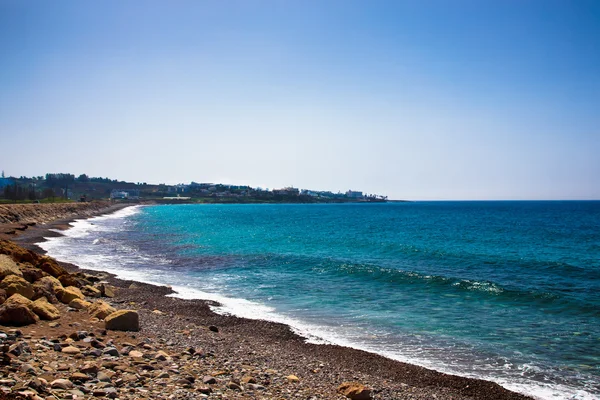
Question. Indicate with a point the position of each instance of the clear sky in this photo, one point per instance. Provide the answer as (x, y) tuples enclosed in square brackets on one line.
[(412, 99)]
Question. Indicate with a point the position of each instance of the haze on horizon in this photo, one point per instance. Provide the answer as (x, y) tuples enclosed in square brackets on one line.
[(410, 99)]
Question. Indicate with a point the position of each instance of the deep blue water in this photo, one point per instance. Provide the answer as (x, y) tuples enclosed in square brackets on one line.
[(505, 291)]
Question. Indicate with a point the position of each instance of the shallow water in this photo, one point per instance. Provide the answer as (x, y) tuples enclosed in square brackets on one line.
[(505, 291)]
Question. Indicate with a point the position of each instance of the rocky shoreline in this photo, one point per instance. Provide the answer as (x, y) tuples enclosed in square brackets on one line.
[(184, 350)]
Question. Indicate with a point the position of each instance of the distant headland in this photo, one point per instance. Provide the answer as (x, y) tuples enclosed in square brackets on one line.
[(57, 187)]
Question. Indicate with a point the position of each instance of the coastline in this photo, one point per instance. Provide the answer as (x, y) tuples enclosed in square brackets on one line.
[(320, 368)]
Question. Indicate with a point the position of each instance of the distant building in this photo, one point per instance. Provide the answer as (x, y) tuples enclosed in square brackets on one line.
[(119, 194), (354, 194), (132, 194), (288, 191)]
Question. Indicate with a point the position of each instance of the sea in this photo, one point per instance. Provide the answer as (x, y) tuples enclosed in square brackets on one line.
[(504, 291)]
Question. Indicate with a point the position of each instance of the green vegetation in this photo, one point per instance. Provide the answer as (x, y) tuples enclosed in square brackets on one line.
[(65, 187)]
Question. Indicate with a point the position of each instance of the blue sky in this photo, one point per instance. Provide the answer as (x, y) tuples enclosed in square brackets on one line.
[(413, 99)]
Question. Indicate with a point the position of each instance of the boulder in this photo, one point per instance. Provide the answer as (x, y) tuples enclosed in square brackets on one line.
[(123, 320), (69, 280), (16, 311), (50, 266), (15, 284), (66, 295), (8, 267), (354, 391), (44, 309), (18, 253), (32, 274), (91, 291), (79, 304), (101, 309), (106, 290), (45, 287)]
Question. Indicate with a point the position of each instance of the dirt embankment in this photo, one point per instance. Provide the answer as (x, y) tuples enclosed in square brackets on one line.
[(44, 213)]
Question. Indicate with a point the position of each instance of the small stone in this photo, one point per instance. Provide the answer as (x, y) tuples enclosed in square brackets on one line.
[(71, 350), (78, 376), (209, 380), (89, 369), (103, 376), (136, 354), (111, 351), (253, 386), (213, 328), (61, 384), (234, 386), (28, 369), (292, 378)]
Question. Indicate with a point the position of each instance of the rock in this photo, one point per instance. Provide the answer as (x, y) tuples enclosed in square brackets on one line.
[(213, 328), (136, 354), (292, 378), (68, 280), (46, 287), (106, 290), (3, 296), (123, 320), (354, 391), (111, 351), (157, 312), (28, 369), (45, 310), (16, 311), (8, 267), (209, 380), (161, 356), (103, 376), (248, 379), (91, 291), (64, 384), (71, 350), (15, 284), (97, 344), (78, 376), (234, 386), (89, 369), (101, 309), (31, 274), (37, 384), (254, 386), (50, 266), (68, 294), (79, 304)]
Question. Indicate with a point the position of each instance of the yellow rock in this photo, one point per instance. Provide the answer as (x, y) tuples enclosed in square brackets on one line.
[(123, 320), (15, 284), (66, 295), (8, 267), (91, 291), (44, 309), (79, 304), (16, 311), (354, 391), (101, 309), (293, 378)]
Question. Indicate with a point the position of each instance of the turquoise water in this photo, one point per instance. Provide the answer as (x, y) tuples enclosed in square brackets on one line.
[(505, 291)]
